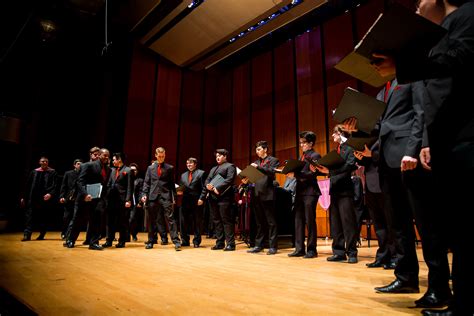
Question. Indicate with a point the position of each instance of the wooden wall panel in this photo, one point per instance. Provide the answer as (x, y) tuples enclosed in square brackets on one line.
[(140, 102), (309, 71), (338, 42), (284, 104), (241, 116), (209, 137), (166, 113), (262, 101), (224, 111), (191, 117)]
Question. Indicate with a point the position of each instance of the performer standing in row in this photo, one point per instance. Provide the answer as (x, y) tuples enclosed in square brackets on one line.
[(307, 195), (265, 216), (68, 193), (220, 196), (193, 183), (160, 193)]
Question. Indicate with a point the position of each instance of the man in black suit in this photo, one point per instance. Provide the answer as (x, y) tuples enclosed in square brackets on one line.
[(137, 212), (407, 188), (449, 120), (68, 194), (40, 188), (92, 173), (219, 191), (307, 195), (119, 201), (160, 192), (264, 200), (344, 228), (192, 182), (386, 253)]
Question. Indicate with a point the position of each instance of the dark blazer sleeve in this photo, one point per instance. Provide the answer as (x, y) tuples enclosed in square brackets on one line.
[(228, 178), (146, 183), (64, 185)]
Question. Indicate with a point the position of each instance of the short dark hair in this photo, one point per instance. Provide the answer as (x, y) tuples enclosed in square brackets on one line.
[(120, 156), (76, 161), (262, 143), (341, 129), (133, 164), (193, 160), (221, 151), (309, 136), (94, 149)]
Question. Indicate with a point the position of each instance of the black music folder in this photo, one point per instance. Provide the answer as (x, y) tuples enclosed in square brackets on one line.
[(358, 143), (395, 30), (331, 160), (252, 173), (94, 190), (217, 181), (293, 165), (365, 108)]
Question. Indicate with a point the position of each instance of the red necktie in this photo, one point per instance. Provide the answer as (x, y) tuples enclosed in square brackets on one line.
[(339, 148), (116, 173), (302, 157), (190, 177), (159, 170), (387, 89), (103, 173), (262, 162)]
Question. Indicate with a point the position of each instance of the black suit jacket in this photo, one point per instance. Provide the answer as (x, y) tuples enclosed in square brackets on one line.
[(137, 190), (69, 185), (155, 186), (447, 75), (91, 173), (264, 188), (371, 169), (401, 125), (228, 172), (122, 185), (192, 190), (306, 182), (35, 190), (340, 178)]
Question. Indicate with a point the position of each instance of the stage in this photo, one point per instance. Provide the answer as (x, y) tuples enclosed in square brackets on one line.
[(53, 280)]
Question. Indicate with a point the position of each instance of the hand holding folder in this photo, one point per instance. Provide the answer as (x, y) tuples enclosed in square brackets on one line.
[(251, 173), (394, 31), (366, 109)]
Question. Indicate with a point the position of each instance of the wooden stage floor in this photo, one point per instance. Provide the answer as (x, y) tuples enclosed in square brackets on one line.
[(53, 280)]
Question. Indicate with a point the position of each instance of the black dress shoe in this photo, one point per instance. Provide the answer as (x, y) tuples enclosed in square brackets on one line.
[(336, 258), (185, 244), (271, 251), (375, 264), (68, 244), (389, 266), (120, 245), (86, 242), (107, 244), (255, 250), (196, 246), (217, 247), (95, 247), (149, 245), (398, 286), (296, 254), (26, 237), (63, 236), (310, 254), (134, 238), (352, 260), (41, 236), (432, 299), (229, 248), (437, 312), (164, 242), (177, 246)]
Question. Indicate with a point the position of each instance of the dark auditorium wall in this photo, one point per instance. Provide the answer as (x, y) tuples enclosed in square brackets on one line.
[(272, 96)]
